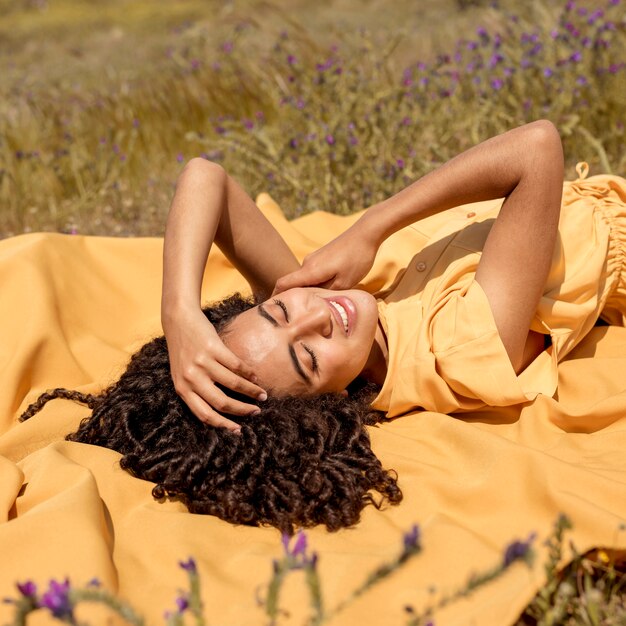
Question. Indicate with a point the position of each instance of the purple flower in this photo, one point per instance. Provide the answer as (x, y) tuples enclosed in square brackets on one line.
[(517, 550), (28, 589), (102, 141), (299, 546), (411, 538), (195, 64), (180, 157), (554, 33), (615, 67), (482, 32), (582, 11), (614, 2), (248, 124), (569, 5), (586, 42), (423, 81), (472, 45), (182, 603), (547, 72), (406, 121), (407, 82), (123, 158), (94, 582), (330, 140), (189, 565), (353, 140), (525, 63), (497, 83), (575, 57), (227, 47), (300, 104), (135, 123), (293, 143), (291, 60), (57, 599), (581, 80), (495, 59), (400, 163)]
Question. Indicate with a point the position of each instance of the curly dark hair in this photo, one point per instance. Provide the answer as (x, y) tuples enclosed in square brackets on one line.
[(301, 462)]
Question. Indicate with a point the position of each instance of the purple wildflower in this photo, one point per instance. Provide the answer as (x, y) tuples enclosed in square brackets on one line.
[(248, 124), (494, 60), (554, 33), (116, 148), (517, 550), (407, 82), (525, 63), (614, 3), (94, 582), (482, 32), (497, 83), (195, 64), (182, 603), (28, 589), (353, 140), (582, 11), (472, 45), (569, 5), (293, 143), (227, 47), (547, 72), (102, 141), (300, 104), (400, 163), (423, 81), (299, 546), (411, 538), (586, 42), (57, 599), (330, 140), (189, 565), (180, 157), (291, 60), (406, 121), (576, 57), (581, 80)]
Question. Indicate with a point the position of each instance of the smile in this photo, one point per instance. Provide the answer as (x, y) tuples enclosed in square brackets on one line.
[(344, 312)]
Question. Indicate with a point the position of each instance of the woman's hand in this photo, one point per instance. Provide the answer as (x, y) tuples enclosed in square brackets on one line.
[(198, 361), (340, 264)]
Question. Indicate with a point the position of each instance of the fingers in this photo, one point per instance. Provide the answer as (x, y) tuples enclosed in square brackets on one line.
[(304, 277), (209, 416)]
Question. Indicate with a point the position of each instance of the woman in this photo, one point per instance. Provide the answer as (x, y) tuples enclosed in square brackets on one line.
[(497, 298)]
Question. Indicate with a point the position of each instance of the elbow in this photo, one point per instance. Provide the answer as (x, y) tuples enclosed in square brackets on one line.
[(203, 171), (546, 149)]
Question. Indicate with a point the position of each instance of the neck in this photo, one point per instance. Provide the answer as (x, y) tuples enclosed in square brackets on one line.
[(375, 369)]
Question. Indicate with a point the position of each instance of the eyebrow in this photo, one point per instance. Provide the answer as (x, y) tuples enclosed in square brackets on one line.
[(292, 353)]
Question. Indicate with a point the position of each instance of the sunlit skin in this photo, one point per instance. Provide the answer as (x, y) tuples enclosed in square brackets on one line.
[(297, 343)]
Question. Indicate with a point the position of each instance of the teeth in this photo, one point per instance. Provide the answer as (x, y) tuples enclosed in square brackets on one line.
[(342, 312)]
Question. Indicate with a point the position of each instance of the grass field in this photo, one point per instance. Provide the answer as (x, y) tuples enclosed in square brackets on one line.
[(330, 105), (333, 104)]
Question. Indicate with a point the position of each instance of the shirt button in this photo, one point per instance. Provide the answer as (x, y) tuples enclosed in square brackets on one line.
[(471, 214), (421, 266)]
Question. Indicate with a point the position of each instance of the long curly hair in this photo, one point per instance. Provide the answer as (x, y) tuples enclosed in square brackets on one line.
[(301, 462)]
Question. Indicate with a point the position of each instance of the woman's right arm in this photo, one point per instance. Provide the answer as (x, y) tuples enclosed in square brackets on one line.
[(209, 206)]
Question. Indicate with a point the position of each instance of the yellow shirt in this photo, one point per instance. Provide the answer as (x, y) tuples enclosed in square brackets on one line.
[(445, 353)]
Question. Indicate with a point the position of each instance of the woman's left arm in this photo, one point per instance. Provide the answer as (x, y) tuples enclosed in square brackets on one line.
[(524, 166)]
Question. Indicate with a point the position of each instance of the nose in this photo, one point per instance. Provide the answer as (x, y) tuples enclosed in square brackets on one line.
[(316, 319)]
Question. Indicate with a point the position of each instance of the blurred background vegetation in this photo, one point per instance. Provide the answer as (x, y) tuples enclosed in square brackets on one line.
[(330, 105)]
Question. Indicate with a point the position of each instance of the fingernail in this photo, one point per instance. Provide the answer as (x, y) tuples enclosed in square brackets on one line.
[(237, 431), (262, 396)]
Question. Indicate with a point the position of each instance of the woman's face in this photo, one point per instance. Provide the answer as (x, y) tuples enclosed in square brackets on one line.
[(306, 340)]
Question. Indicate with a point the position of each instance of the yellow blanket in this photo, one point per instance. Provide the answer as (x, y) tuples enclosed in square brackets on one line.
[(74, 308)]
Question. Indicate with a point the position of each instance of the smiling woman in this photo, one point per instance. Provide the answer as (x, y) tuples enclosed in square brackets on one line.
[(494, 299)]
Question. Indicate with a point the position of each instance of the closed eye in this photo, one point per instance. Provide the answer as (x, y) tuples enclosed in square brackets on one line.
[(281, 304), (314, 362)]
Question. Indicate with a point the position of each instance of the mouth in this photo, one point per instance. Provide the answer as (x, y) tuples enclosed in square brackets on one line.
[(344, 312)]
